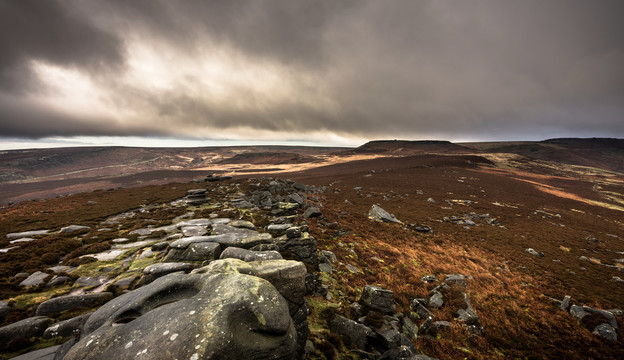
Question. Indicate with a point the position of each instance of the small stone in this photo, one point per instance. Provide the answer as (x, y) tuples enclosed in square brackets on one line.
[(353, 269), (606, 331), (326, 268), (534, 252), (428, 278), (359, 334), (436, 300), (565, 304)]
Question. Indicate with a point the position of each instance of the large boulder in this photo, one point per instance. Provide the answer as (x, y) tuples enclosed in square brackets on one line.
[(5, 309), (196, 316), (302, 248), (59, 304)]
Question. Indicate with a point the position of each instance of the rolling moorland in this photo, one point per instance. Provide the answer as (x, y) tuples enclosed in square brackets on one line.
[(479, 243)]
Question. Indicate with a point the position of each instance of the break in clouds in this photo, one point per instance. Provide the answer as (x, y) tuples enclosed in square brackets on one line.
[(256, 69)]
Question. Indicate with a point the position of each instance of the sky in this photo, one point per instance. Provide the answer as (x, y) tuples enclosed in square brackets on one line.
[(318, 72)]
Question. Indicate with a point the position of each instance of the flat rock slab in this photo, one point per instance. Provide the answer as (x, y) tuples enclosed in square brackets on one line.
[(192, 316), (199, 251), (35, 279), (194, 222), (26, 234), (194, 230), (108, 255), (42, 354), (27, 328), (73, 228), (21, 240), (59, 304), (226, 240)]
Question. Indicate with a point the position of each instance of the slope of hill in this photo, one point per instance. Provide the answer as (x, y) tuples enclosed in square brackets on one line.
[(602, 153), (519, 240)]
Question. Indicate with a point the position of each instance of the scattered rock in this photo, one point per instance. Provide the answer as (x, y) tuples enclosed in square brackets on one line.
[(155, 271), (312, 212), (35, 279), (428, 278), (456, 280), (73, 228), (55, 306), (26, 234), (378, 214), (198, 251), (48, 353), (27, 328), (534, 252), (5, 309), (565, 304), (436, 300), (59, 269), (378, 299), (353, 269), (326, 268), (606, 331), (439, 326), (359, 334)]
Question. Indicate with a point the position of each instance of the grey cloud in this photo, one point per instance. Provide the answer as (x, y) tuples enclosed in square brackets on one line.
[(53, 31), (486, 68)]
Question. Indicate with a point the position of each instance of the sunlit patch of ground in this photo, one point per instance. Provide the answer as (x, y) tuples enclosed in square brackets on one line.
[(249, 169)]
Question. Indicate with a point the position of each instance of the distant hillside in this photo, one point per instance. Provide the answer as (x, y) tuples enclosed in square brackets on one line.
[(272, 158), (407, 147), (603, 153)]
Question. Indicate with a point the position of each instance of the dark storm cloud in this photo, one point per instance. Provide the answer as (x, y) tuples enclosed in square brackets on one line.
[(471, 69)]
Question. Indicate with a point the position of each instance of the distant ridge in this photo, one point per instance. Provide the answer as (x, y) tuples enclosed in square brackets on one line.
[(408, 147)]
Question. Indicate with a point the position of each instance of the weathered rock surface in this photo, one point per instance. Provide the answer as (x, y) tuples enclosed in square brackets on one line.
[(240, 240), (59, 304), (196, 316), (248, 255), (27, 328), (199, 251), (155, 271), (66, 328)]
